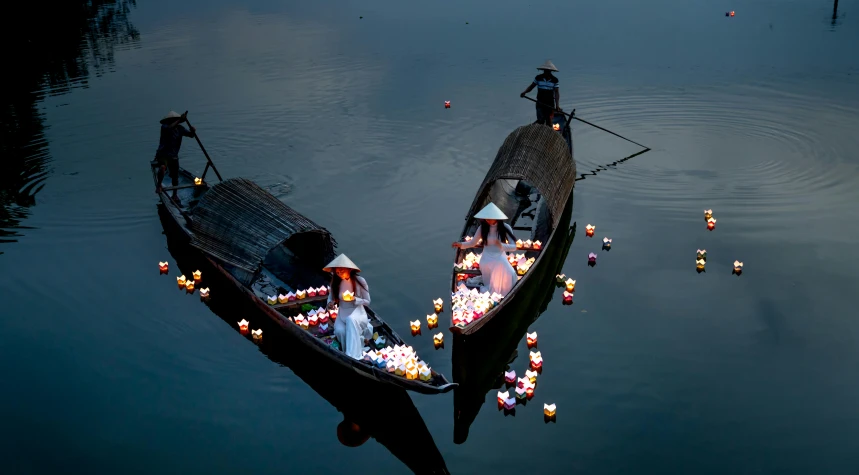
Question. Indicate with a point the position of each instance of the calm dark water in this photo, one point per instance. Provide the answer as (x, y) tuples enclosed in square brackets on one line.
[(655, 369)]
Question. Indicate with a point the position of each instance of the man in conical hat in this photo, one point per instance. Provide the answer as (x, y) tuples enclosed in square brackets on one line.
[(548, 95), (167, 154)]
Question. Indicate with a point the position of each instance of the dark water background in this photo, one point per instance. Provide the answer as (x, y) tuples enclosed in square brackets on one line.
[(655, 369)]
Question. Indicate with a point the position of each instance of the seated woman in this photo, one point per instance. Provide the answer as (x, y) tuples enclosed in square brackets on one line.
[(498, 275), (352, 326)]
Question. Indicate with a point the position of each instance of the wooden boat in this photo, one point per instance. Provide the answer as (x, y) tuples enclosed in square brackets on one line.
[(531, 181), (266, 248), (479, 361), (361, 400)]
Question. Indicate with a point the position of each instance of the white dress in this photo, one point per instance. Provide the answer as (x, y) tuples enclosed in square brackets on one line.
[(498, 275), (352, 325)]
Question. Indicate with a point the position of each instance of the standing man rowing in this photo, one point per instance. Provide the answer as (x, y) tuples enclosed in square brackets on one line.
[(167, 154), (547, 93)]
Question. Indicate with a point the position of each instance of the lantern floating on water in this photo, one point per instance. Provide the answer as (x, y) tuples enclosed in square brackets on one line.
[(503, 396), (556, 126), (204, 293), (531, 338), (708, 213), (181, 281), (447, 104), (537, 245), (189, 286), (711, 224), (197, 275), (437, 304), (592, 259), (589, 230), (510, 404), (549, 410), (702, 254), (571, 285), (510, 376), (257, 334), (738, 267), (536, 360), (432, 320), (699, 264), (568, 298), (438, 339), (416, 325), (531, 375), (243, 325), (162, 266), (198, 181), (606, 243), (348, 296), (560, 278)]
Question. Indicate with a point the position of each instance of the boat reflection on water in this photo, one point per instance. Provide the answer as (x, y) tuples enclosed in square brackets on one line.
[(479, 360), (365, 402)]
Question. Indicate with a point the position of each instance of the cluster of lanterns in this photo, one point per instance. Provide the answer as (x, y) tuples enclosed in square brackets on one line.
[(243, 329), (186, 283), (297, 295), (400, 360), (701, 257), (469, 305), (711, 221), (569, 288), (528, 245), (523, 388), (521, 263), (319, 318), (471, 261)]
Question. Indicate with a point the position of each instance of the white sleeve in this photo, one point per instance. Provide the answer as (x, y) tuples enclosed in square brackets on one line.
[(509, 247), (362, 293), (473, 243)]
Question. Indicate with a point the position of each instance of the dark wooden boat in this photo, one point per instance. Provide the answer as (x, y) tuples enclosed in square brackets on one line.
[(361, 400), (531, 181), (265, 247), (479, 361)]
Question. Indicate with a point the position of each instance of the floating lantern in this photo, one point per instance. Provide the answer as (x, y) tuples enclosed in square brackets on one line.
[(738, 267), (556, 126), (300, 294), (606, 243), (531, 338), (510, 404), (571, 285), (503, 396), (702, 254), (447, 104), (531, 375), (432, 320), (437, 303), (589, 230), (519, 244), (290, 296), (731, 13), (521, 393), (529, 391), (348, 296), (536, 360), (257, 334), (438, 338), (549, 410), (197, 275), (568, 297), (708, 213), (322, 291), (699, 264), (162, 266), (181, 281), (592, 259), (711, 224), (537, 245), (510, 376), (243, 325), (311, 292), (416, 325), (560, 278), (189, 286), (204, 293)]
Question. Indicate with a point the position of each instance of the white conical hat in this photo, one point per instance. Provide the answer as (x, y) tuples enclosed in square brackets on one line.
[(490, 212), (341, 261), (548, 66), (171, 116)]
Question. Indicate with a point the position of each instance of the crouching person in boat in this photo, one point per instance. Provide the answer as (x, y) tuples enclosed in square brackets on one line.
[(350, 291), (498, 275)]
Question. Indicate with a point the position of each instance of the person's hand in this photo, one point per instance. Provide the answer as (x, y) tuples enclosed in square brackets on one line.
[(456, 245), (522, 95), (193, 129)]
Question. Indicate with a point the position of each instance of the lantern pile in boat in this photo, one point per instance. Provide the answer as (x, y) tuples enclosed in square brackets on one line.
[(536, 245), (318, 317), (400, 360), (297, 295), (469, 305), (520, 262), (470, 261)]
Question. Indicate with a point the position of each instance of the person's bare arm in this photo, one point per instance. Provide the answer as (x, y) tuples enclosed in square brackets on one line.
[(530, 88)]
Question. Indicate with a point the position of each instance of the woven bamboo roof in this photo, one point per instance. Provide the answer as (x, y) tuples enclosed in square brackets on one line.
[(539, 155), (238, 222)]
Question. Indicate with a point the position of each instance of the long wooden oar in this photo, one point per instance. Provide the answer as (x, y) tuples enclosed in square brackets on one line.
[(208, 159), (573, 116)]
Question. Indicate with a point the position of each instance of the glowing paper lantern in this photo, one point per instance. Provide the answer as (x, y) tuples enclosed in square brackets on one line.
[(536, 359), (447, 104), (606, 242), (589, 230), (198, 181), (438, 338), (699, 264), (571, 285), (592, 259), (348, 296), (521, 393), (510, 403), (257, 334), (204, 293), (313, 320), (527, 244), (425, 373), (711, 224), (323, 291), (162, 266), (197, 275), (537, 245), (437, 303), (181, 280), (243, 325), (568, 297), (290, 296), (189, 285), (531, 375), (549, 410), (503, 396), (432, 320), (531, 338), (510, 377), (282, 298), (416, 325), (311, 292), (708, 213), (702, 254), (300, 294), (738, 267), (556, 126), (519, 244), (271, 299)]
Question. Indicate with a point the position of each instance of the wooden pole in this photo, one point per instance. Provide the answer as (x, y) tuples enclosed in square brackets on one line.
[(210, 162)]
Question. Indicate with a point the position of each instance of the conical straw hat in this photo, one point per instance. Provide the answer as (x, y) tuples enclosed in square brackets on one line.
[(171, 116), (548, 66), (490, 212), (341, 261)]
